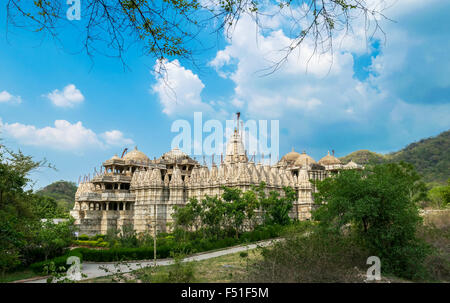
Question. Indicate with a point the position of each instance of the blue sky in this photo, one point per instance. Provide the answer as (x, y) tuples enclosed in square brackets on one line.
[(58, 104)]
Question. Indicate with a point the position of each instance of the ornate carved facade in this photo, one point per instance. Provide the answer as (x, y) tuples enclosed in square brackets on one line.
[(142, 192)]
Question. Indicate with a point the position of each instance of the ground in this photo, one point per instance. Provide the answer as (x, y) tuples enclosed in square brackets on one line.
[(223, 269)]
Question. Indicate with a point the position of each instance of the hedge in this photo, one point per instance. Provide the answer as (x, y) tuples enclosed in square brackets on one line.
[(38, 267), (98, 243), (165, 246)]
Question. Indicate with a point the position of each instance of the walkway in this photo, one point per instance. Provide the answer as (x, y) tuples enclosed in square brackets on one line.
[(94, 270)]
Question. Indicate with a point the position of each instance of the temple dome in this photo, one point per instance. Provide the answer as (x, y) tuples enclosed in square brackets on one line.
[(136, 155), (304, 159), (291, 156), (115, 157), (175, 154), (329, 160)]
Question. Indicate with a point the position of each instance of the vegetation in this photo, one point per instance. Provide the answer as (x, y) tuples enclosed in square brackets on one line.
[(430, 157), (24, 237), (439, 196), (234, 212), (223, 269), (379, 206), (373, 212), (63, 192)]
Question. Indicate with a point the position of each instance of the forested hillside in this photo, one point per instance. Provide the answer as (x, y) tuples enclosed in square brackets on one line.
[(431, 157), (62, 191)]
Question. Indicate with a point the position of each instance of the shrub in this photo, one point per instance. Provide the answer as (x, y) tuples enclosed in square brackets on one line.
[(92, 243), (316, 258), (39, 267), (83, 237)]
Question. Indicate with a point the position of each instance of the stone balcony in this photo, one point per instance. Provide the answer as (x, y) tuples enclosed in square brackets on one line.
[(108, 196)]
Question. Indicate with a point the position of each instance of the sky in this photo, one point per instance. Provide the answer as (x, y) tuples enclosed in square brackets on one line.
[(379, 94)]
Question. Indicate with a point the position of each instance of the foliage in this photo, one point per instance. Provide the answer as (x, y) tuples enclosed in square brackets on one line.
[(181, 272), (63, 192), (308, 256), (91, 243), (193, 242), (430, 157), (59, 263), (438, 262), (439, 196), (364, 157), (276, 209), (47, 207), (24, 239), (235, 212), (379, 207)]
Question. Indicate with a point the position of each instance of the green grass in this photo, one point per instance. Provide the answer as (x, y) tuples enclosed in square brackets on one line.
[(18, 275), (223, 269)]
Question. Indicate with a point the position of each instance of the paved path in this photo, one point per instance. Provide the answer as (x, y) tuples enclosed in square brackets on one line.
[(94, 270)]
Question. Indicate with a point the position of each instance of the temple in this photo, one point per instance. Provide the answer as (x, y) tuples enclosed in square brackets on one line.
[(135, 190)]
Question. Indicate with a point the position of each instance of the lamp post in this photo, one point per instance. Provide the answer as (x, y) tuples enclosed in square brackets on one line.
[(154, 234)]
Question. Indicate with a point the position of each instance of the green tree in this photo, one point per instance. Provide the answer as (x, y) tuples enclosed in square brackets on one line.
[(212, 215), (23, 237), (439, 196), (54, 238), (235, 209), (276, 208), (188, 216), (379, 205)]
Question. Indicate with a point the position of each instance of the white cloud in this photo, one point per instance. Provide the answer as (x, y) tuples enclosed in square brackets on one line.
[(179, 89), (63, 136), (67, 98), (7, 97), (116, 138), (312, 92)]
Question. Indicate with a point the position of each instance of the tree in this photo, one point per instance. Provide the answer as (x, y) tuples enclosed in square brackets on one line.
[(188, 216), (379, 205), (23, 237), (53, 238), (212, 215), (276, 209), (170, 28), (440, 195)]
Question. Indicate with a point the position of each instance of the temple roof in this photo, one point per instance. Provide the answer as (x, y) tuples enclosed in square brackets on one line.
[(329, 160), (136, 155), (304, 159)]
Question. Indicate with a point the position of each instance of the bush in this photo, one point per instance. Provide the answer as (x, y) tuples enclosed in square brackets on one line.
[(83, 237), (316, 258), (99, 243), (39, 267)]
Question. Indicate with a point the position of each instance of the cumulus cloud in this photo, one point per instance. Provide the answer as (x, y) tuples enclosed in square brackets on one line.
[(63, 136), (178, 89), (116, 138), (318, 94), (7, 97), (69, 97)]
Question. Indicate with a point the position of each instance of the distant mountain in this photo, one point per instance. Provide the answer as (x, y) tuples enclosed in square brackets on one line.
[(363, 156), (62, 191), (431, 157)]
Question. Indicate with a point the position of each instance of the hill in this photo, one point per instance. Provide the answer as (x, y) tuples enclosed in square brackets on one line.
[(62, 191), (364, 156), (430, 156)]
